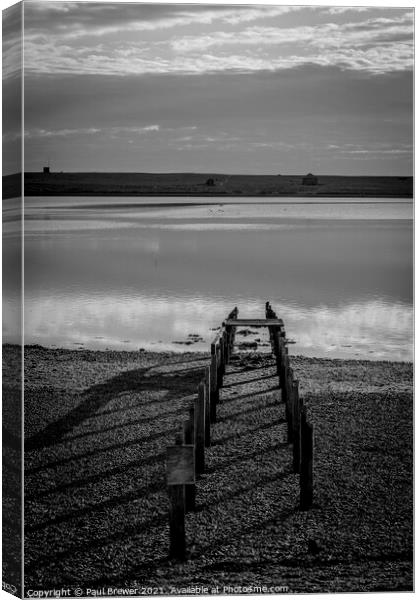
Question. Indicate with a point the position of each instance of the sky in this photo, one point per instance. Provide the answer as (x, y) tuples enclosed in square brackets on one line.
[(214, 88)]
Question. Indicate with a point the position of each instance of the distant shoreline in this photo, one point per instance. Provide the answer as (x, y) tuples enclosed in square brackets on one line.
[(206, 185)]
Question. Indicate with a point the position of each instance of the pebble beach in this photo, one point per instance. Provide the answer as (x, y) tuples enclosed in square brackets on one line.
[(96, 510)]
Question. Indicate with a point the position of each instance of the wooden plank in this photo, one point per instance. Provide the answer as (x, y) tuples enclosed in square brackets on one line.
[(289, 403), (232, 339), (213, 372), (278, 350), (225, 351), (219, 367), (214, 390), (179, 471), (283, 372), (252, 322), (222, 359), (177, 545), (200, 420), (192, 412), (180, 465), (190, 491), (306, 453), (228, 337), (297, 407), (207, 430), (274, 338), (233, 315), (228, 332)]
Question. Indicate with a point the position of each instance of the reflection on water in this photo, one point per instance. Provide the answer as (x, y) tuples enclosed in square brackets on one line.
[(371, 329), (129, 276)]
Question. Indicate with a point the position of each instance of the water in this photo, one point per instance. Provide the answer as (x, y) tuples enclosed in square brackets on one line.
[(130, 273)]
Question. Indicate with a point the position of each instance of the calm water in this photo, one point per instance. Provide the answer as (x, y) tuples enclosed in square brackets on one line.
[(131, 273)]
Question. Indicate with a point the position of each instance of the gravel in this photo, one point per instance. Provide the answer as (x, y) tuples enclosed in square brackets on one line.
[(97, 425)]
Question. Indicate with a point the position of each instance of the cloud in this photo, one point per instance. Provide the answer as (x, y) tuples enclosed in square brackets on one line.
[(147, 128), (322, 36), (12, 42), (12, 58), (54, 7), (376, 151), (376, 45), (103, 19), (379, 59), (44, 133), (339, 10), (390, 151)]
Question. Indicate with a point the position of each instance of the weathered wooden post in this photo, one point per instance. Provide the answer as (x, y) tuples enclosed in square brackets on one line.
[(270, 329), (200, 435), (225, 350), (207, 406), (269, 312), (306, 459), (190, 491), (272, 333), (284, 388), (289, 403), (278, 352), (283, 368), (214, 389), (222, 359), (228, 336), (233, 315), (278, 348), (297, 409), (219, 364), (179, 473), (232, 340), (193, 430), (275, 341)]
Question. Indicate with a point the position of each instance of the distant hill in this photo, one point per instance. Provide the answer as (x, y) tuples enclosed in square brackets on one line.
[(206, 184)]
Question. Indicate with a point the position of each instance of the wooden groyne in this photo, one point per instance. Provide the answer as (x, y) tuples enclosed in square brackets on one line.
[(186, 458)]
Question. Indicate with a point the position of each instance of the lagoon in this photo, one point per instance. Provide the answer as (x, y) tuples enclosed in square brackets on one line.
[(130, 273)]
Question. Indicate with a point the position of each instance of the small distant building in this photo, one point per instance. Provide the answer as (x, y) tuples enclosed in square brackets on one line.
[(210, 181), (310, 179), (46, 170)]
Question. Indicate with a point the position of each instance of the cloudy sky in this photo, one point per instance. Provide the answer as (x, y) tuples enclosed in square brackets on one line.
[(245, 89)]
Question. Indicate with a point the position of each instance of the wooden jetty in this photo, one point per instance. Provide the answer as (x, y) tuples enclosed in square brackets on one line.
[(186, 458)]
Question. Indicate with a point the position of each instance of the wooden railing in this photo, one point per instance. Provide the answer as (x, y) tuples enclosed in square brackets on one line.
[(186, 458)]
